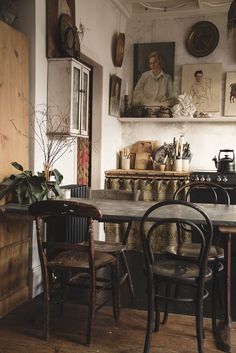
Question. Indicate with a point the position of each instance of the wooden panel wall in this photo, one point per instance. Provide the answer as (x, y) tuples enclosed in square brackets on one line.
[(14, 242), (13, 99)]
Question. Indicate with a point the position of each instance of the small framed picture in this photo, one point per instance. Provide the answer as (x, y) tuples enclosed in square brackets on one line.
[(230, 94), (114, 95)]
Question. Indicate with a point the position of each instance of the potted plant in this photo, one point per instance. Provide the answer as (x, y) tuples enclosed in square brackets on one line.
[(27, 187)]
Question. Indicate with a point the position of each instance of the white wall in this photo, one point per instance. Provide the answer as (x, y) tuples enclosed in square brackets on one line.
[(102, 21), (205, 138)]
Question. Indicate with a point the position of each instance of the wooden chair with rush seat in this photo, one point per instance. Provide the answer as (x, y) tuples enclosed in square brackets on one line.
[(61, 262)]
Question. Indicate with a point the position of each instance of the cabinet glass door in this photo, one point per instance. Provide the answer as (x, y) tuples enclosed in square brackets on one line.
[(84, 112), (75, 123)]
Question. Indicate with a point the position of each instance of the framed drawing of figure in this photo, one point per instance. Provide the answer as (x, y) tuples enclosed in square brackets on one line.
[(203, 83), (230, 94), (114, 95), (153, 74)]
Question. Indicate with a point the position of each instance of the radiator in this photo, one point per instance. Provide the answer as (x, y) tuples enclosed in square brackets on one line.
[(74, 228)]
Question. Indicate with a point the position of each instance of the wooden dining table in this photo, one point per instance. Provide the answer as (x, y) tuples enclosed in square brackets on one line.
[(223, 216)]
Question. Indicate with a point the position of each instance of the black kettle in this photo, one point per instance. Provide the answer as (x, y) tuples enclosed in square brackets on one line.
[(225, 164)]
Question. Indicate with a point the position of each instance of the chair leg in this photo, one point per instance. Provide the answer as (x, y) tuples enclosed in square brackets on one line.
[(46, 310), (91, 309), (199, 325), (115, 292), (214, 299), (166, 307), (150, 318), (127, 270), (157, 316)]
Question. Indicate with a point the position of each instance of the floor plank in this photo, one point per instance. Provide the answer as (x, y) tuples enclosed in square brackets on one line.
[(20, 333)]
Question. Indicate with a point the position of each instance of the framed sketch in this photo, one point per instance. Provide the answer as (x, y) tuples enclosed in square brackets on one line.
[(203, 83), (153, 73), (230, 94), (114, 95), (55, 8)]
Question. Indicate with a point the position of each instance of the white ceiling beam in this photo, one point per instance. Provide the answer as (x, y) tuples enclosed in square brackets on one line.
[(124, 7)]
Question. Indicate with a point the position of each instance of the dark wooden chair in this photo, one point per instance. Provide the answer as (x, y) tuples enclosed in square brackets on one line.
[(178, 271), (64, 264), (118, 249), (185, 250)]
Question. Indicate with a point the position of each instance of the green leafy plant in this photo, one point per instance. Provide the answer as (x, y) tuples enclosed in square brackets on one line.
[(27, 187)]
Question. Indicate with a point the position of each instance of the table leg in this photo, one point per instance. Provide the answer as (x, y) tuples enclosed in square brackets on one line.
[(223, 328)]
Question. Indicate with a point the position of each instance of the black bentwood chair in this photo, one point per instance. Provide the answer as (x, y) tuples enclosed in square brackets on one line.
[(178, 271), (189, 250), (118, 249), (61, 262)]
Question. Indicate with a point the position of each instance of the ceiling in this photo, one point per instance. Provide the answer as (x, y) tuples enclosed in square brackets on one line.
[(172, 7)]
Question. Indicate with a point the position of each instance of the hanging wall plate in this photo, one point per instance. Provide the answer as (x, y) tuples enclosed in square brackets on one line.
[(119, 51), (202, 39)]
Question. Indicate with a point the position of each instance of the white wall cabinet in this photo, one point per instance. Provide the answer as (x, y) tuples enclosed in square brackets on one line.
[(68, 97)]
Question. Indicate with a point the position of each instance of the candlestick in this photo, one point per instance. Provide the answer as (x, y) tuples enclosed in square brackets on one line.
[(126, 102)]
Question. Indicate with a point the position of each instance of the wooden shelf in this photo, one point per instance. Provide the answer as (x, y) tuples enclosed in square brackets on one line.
[(224, 119), (144, 173)]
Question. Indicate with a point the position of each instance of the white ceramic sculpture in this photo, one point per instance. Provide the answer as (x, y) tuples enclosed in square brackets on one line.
[(184, 108)]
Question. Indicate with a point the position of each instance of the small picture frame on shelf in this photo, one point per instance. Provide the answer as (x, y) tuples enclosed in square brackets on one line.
[(114, 95), (230, 94)]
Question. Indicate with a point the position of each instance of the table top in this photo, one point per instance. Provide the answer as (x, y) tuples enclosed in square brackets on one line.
[(123, 210)]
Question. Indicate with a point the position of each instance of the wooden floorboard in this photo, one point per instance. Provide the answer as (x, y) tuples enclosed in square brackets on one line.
[(20, 333)]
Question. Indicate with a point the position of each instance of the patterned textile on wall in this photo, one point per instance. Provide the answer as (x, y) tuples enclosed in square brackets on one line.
[(151, 190), (83, 161)]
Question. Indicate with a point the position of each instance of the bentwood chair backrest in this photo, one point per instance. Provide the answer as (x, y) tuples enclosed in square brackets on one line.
[(192, 191), (110, 194), (203, 191), (157, 216)]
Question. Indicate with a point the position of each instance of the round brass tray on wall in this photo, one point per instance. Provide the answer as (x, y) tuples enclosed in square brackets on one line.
[(120, 48), (68, 37), (202, 39)]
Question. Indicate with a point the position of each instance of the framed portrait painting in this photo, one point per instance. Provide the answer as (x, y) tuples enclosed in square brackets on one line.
[(230, 94), (114, 95), (203, 83), (153, 73)]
